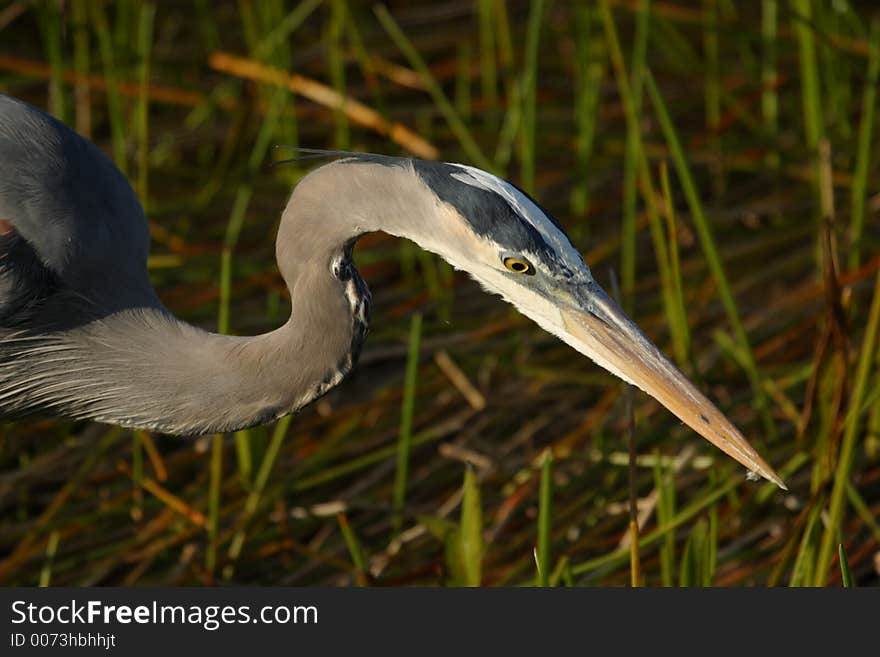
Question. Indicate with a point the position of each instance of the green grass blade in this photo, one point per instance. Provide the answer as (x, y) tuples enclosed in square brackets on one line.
[(686, 572), (863, 150), (336, 64), (51, 549), (589, 70), (663, 484), (545, 501), (632, 158), (858, 503), (459, 129), (215, 479), (145, 40), (50, 20), (137, 475), (529, 96), (354, 549), (649, 538), (634, 141), (243, 456), (562, 572), (710, 251), (801, 573), (810, 99), (114, 101), (82, 66), (488, 64), (254, 496), (407, 411), (712, 88), (677, 312), (845, 574), (769, 75), (848, 444), (711, 563), (280, 34), (463, 102), (470, 534)]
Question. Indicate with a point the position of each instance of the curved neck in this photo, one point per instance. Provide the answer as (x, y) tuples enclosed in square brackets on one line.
[(142, 367)]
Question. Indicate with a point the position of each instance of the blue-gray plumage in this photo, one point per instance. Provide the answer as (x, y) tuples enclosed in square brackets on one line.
[(83, 334)]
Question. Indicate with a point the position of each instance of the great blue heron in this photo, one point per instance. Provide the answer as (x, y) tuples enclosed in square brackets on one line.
[(83, 334)]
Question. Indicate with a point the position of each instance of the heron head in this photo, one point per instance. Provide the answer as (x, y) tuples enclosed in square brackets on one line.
[(488, 227), (507, 242)]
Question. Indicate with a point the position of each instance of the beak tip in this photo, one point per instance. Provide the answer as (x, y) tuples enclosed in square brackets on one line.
[(768, 474)]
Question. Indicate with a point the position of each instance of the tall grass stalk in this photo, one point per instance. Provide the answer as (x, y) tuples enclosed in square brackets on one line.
[(664, 485), (710, 251), (848, 444), (695, 568), (545, 505), (635, 565), (114, 100), (845, 574), (463, 81), (215, 479), (82, 66), (529, 95), (678, 324), (509, 128), (863, 150), (71, 485), (207, 24), (712, 88), (336, 63), (769, 75), (677, 312), (811, 102), (50, 26), (802, 571), (354, 550), (280, 33), (589, 70), (633, 156), (367, 63), (863, 510), (254, 496), (504, 34), (137, 476), (488, 64), (144, 44), (407, 411), (471, 531), (51, 549), (456, 124), (649, 538)]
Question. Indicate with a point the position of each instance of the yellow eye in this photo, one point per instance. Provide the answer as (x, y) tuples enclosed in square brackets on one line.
[(518, 266)]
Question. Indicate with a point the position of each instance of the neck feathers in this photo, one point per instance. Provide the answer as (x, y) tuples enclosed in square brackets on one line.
[(144, 368)]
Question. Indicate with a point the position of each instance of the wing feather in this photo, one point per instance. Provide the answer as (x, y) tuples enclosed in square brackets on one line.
[(71, 218)]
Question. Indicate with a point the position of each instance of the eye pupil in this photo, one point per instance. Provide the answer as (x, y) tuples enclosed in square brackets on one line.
[(518, 266)]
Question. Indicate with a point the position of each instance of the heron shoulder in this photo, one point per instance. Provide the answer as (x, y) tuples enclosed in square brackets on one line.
[(68, 200)]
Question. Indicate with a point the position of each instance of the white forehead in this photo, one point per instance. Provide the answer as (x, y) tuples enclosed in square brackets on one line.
[(524, 206)]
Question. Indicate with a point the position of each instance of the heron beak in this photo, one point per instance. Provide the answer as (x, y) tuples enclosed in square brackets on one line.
[(598, 328)]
